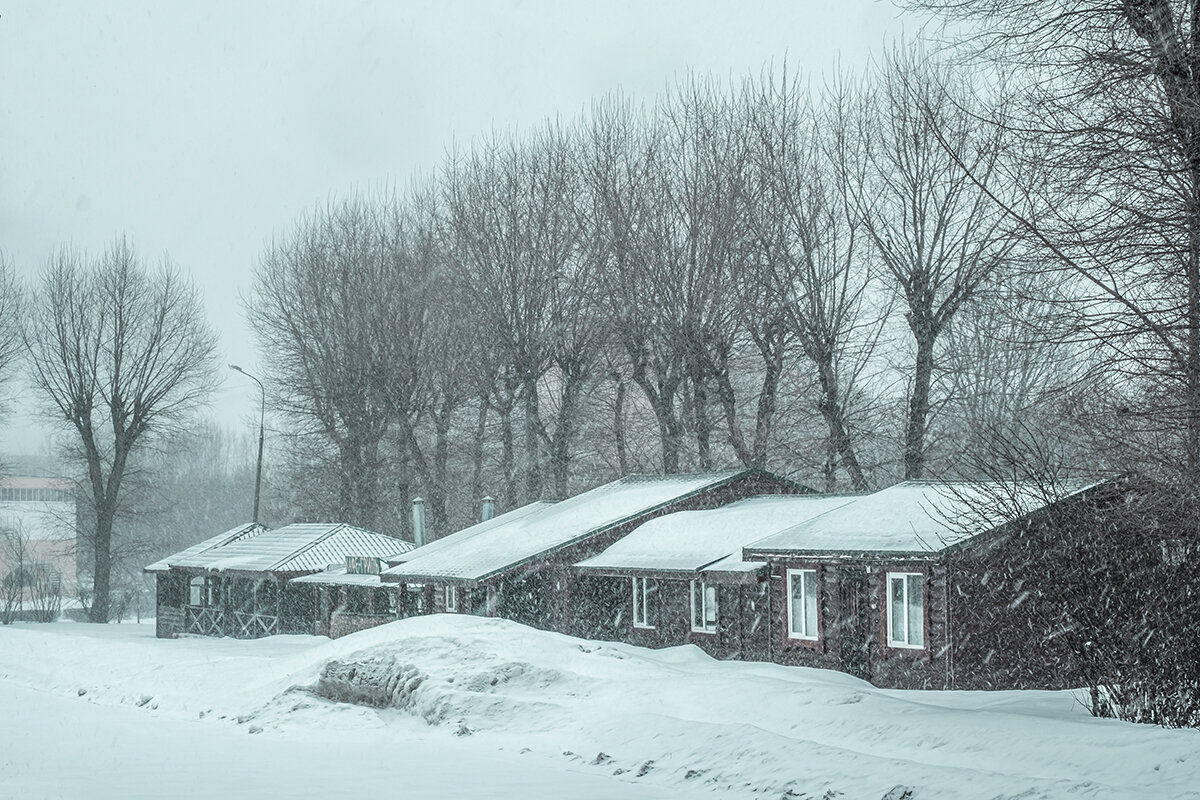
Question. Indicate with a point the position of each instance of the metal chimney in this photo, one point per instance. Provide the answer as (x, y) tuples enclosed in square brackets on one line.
[(418, 521), (487, 509)]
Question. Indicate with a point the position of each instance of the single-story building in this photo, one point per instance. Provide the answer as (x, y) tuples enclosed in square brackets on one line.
[(519, 565), (923, 585), (238, 583), (683, 580)]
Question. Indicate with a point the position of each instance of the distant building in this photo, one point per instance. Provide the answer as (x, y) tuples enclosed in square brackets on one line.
[(42, 515)]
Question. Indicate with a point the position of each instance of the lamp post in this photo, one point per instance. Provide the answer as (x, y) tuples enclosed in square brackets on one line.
[(262, 416)]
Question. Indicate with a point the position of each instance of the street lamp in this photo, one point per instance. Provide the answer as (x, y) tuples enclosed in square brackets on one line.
[(262, 416)]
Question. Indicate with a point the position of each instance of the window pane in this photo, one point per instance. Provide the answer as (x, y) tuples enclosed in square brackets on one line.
[(916, 610), (810, 602), (710, 607), (697, 607), (796, 603), (651, 587), (896, 624)]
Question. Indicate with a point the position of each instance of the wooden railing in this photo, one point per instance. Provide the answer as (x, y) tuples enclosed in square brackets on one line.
[(253, 626), (204, 620)]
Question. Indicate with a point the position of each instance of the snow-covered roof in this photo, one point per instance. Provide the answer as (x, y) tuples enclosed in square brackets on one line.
[(690, 541), (458, 538), (473, 554), (303, 547), (337, 576), (220, 540), (914, 517)]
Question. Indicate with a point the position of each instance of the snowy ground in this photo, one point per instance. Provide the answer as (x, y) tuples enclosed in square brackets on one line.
[(486, 708)]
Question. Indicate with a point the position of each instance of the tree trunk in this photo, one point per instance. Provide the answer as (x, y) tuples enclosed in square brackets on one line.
[(477, 451), (1192, 445), (102, 564), (703, 423), (918, 408), (834, 412), (504, 406), (439, 517), (619, 426), (533, 445)]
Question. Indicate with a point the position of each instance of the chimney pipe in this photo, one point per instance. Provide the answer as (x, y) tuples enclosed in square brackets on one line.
[(418, 521), (487, 509)]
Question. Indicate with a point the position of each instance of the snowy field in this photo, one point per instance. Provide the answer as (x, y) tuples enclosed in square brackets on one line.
[(486, 708)]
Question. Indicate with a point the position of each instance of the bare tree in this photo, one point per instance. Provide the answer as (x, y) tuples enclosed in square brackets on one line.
[(624, 189), (935, 232), (511, 213), (812, 269), (121, 353), (339, 306), (666, 202)]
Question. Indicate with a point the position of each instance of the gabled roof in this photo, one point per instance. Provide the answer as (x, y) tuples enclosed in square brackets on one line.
[(911, 518), (303, 547), (690, 541), (474, 554), (457, 538), (220, 540)]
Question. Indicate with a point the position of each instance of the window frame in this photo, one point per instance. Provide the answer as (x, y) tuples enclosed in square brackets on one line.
[(906, 578), (704, 607), (641, 602), (450, 598), (792, 632)]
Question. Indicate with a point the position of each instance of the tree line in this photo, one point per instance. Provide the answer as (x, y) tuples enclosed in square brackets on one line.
[(764, 274)]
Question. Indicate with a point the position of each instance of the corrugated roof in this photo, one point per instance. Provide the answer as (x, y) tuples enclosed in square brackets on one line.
[(470, 556), (688, 541), (221, 539), (337, 577), (303, 547), (914, 517)]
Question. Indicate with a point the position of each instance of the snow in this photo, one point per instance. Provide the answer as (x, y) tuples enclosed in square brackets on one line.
[(484, 707), (690, 540), (468, 556), (913, 517)]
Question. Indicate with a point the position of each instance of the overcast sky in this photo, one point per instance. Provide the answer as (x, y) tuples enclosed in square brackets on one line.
[(201, 129)]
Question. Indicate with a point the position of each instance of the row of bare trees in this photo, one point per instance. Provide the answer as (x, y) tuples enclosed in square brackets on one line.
[(759, 275)]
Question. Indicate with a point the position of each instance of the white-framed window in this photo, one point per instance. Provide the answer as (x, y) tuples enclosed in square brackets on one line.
[(802, 604), (452, 599), (644, 592), (196, 591), (906, 609), (204, 591), (704, 607)]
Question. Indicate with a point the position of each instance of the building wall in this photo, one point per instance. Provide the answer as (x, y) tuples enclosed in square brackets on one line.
[(170, 597), (852, 624), (581, 607), (742, 619), (1007, 630)]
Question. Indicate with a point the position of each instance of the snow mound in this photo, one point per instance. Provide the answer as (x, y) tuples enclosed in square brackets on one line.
[(484, 693)]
